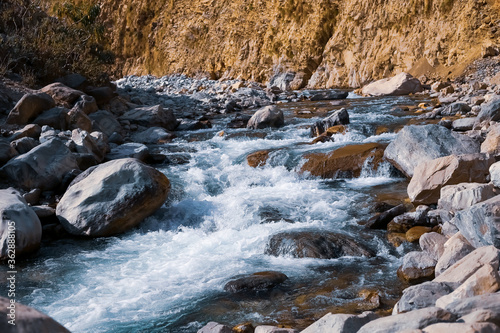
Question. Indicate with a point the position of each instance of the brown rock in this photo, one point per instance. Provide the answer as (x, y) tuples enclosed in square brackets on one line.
[(256, 281), (454, 249), (28, 107), (414, 233), (258, 158), (347, 161), (62, 94), (396, 238)]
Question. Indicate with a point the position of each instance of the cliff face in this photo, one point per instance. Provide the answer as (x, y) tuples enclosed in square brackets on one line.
[(322, 43)]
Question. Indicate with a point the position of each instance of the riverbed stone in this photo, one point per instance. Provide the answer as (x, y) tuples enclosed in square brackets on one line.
[(27, 320), (381, 220), (491, 144), (339, 117), (414, 234), (456, 108), (482, 316), (340, 323), (7, 151), (15, 213), (415, 144), (455, 248), (468, 305), (214, 327), (480, 223), (30, 130), (490, 111), (422, 296), (463, 124), (152, 135), (28, 107), (346, 162), (495, 174), (44, 166), (268, 116), (430, 176), (79, 119), (313, 244), (85, 144), (258, 158), (23, 145), (56, 118), (126, 150), (468, 265), (105, 122), (325, 95), (112, 198), (401, 84), (417, 267), (273, 329), (255, 281), (150, 116), (485, 280), (62, 94), (464, 195), (462, 328), (433, 244), (416, 319)]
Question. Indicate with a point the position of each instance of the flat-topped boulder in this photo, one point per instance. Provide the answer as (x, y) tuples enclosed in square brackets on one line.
[(401, 84), (150, 116), (62, 94), (112, 198)]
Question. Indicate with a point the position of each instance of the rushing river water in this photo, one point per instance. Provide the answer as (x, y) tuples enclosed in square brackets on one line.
[(168, 275)]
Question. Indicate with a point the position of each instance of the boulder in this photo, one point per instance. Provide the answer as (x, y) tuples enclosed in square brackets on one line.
[(86, 104), (112, 198), (480, 223), (256, 281), (381, 220), (347, 161), (152, 135), (416, 319), (421, 296), (462, 328), (404, 222), (414, 233), (85, 144), (62, 94), (481, 316), (456, 108), (7, 151), (30, 130), (258, 158), (28, 107), (44, 166), (23, 145), (416, 144), (465, 195), (495, 174), (430, 176), (339, 117), (280, 81), (150, 116), (126, 150), (213, 327), (462, 307), (315, 244), (27, 320), (491, 145), (17, 222), (56, 118), (268, 116), (326, 95), (468, 265), (417, 267), (464, 124), (273, 329), (490, 111), (454, 249), (340, 323), (401, 84), (105, 121), (484, 281), (433, 244), (79, 119), (102, 95)]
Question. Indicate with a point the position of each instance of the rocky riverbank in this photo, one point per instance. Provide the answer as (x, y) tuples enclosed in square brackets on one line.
[(79, 161)]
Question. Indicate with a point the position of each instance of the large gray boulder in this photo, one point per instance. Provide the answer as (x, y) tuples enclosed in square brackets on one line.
[(126, 150), (490, 111), (112, 198), (480, 223), (27, 320), (430, 176), (150, 116), (17, 218), (28, 107), (416, 144), (152, 135), (417, 267), (339, 117), (401, 84), (105, 122), (468, 305), (268, 116), (416, 319), (340, 323), (6, 151), (465, 195), (44, 166), (421, 296)]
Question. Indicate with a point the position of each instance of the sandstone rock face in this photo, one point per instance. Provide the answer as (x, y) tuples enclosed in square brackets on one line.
[(416, 144), (455, 249), (417, 267), (322, 245), (430, 176), (28, 107), (18, 217), (465, 195), (112, 198), (256, 281), (401, 84), (468, 265), (268, 116), (416, 319), (480, 223), (44, 166), (339, 117), (340, 323), (421, 296), (347, 161), (27, 320), (150, 116)]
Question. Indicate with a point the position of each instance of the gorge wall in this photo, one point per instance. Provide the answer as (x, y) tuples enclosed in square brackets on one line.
[(320, 44)]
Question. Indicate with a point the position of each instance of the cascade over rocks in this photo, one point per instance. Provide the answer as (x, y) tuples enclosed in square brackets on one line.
[(112, 198)]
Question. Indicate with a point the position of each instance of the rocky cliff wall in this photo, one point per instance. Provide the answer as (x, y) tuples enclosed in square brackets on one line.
[(321, 43)]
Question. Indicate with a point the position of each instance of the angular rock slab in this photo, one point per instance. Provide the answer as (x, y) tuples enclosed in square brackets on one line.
[(214, 327), (28, 320), (430, 176), (17, 216), (480, 223), (462, 328), (401, 84), (491, 144), (417, 267), (416, 144), (421, 296), (433, 244), (465, 195), (455, 248), (340, 323), (462, 307), (339, 117), (28, 107), (112, 198), (416, 319)]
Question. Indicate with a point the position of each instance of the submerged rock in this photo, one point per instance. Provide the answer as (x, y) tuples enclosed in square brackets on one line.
[(381, 220), (112, 198), (313, 244), (268, 116), (401, 84), (256, 281)]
